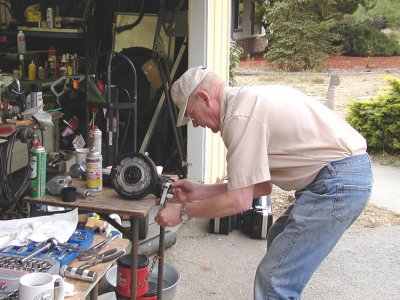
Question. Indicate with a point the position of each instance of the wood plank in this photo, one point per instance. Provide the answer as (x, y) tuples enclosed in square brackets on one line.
[(105, 201), (83, 288)]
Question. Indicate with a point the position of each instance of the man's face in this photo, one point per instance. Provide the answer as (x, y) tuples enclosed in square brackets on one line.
[(200, 113)]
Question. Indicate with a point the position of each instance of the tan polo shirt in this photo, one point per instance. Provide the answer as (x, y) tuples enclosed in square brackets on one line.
[(278, 133)]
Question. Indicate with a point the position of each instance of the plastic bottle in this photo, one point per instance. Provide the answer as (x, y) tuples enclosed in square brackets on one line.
[(50, 18), (21, 42), (42, 73), (36, 95), (52, 53), (32, 71), (21, 65), (70, 71), (52, 62), (63, 67)]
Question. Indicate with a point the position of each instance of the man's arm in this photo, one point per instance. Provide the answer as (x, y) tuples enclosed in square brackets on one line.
[(224, 204), (262, 189), (228, 203)]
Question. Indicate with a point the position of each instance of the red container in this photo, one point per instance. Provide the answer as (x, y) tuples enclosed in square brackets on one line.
[(124, 276), (151, 294)]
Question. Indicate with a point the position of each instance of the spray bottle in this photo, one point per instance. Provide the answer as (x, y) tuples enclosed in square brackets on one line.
[(37, 176), (21, 42)]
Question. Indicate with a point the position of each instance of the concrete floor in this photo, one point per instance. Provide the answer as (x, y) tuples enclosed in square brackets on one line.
[(365, 264)]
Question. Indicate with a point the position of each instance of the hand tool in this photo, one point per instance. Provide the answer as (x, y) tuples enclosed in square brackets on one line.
[(82, 274), (108, 255), (37, 251), (98, 246), (56, 243)]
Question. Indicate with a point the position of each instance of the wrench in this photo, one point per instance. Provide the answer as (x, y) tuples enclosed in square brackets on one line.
[(37, 251), (56, 243), (97, 247)]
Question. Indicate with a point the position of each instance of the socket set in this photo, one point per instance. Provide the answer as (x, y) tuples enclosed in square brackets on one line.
[(11, 269), (49, 261), (81, 238)]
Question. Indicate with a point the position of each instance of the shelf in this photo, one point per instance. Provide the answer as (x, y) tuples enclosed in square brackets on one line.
[(53, 33), (65, 33)]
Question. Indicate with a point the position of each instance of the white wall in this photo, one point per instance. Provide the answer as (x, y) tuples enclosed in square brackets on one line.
[(209, 40)]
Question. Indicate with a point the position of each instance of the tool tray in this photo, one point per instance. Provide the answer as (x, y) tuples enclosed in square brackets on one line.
[(81, 238)]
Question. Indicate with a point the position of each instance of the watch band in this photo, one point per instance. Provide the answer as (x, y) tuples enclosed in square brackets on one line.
[(182, 213)]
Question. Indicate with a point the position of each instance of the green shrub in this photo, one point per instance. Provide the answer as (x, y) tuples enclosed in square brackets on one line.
[(299, 44), (362, 40), (234, 56), (378, 118)]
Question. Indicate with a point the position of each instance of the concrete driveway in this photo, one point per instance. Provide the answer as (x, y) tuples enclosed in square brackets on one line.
[(365, 264)]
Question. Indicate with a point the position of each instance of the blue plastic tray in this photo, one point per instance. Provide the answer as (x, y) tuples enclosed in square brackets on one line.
[(82, 238)]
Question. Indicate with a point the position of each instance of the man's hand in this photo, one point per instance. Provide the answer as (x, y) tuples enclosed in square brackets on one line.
[(186, 190), (169, 215)]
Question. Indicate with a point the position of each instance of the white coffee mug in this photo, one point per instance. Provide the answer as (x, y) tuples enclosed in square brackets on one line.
[(35, 286)]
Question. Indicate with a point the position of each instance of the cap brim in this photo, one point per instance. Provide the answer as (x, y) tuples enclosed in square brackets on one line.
[(182, 120)]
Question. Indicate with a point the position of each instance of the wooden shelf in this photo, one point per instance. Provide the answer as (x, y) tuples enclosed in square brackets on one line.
[(55, 32)]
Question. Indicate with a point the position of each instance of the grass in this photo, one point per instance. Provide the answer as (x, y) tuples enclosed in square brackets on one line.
[(289, 79), (386, 159)]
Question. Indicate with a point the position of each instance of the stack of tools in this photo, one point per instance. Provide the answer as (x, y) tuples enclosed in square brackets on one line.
[(81, 239), (46, 257), (92, 258)]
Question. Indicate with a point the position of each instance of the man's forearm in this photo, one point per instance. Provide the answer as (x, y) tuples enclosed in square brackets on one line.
[(225, 204), (212, 190)]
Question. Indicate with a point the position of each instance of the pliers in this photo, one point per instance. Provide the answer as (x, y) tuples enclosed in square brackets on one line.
[(106, 256)]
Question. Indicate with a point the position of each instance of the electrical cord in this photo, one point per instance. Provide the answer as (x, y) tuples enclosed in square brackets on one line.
[(12, 195), (134, 24), (128, 123)]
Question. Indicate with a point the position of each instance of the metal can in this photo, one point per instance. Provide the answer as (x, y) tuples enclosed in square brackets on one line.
[(95, 139), (94, 167), (36, 95), (50, 18), (37, 174)]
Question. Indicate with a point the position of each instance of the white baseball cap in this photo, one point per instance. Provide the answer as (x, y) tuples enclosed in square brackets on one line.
[(183, 88)]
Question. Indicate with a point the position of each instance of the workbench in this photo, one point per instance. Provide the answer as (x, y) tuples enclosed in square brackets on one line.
[(85, 288), (107, 201)]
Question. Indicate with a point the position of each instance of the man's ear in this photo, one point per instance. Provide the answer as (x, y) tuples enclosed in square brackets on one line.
[(204, 96)]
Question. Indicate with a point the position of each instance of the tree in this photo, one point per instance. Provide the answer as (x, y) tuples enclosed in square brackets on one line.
[(298, 31)]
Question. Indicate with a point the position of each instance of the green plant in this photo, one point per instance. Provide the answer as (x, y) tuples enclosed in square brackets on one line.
[(387, 10), (378, 118), (362, 40), (298, 37), (234, 55)]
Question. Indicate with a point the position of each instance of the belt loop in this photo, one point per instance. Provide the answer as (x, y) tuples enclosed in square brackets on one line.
[(331, 169)]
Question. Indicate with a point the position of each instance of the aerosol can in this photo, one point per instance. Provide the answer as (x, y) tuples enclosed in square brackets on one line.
[(95, 138), (94, 168), (37, 174)]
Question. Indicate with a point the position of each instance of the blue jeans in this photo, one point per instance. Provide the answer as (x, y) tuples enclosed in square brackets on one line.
[(308, 230)]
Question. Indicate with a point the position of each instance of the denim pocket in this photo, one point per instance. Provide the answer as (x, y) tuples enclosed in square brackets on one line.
[(350, 201)]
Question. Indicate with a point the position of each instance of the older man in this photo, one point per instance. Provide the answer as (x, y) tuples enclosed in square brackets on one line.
[(275, 135)]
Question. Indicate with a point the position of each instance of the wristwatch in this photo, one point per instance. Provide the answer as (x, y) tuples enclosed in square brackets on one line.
[(183, 214)]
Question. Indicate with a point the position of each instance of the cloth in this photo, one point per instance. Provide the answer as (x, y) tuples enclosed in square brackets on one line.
[(305, 234), (69, 289), (38, 229), (282, 135)]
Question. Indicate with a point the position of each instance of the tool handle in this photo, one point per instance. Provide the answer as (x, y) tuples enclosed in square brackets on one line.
[(77, 249), (82, 274), (96, 247), (37, 251)]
